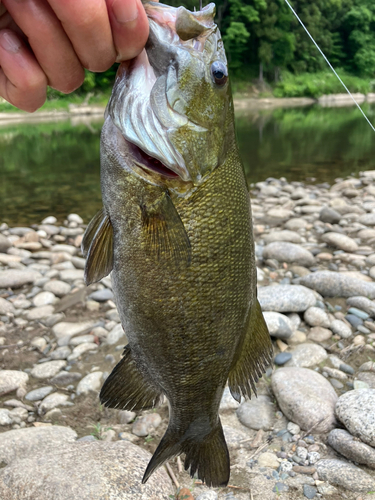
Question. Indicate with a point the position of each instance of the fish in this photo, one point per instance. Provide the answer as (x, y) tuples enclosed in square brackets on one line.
[(176, 233)]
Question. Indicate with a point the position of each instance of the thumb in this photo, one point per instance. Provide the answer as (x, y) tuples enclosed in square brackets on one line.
[(129, 27)]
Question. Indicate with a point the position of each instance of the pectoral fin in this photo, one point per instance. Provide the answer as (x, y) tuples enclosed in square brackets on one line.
[(126, 387), (97, 247), (165, 237), (254, 355)]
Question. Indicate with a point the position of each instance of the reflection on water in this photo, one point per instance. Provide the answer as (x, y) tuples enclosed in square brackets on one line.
[(53, 168)]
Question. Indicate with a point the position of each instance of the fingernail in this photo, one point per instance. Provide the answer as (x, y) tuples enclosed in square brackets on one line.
[(125, 10), (10, 42)]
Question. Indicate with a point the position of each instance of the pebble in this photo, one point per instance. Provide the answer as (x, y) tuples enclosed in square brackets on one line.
[(6, 307), (44, 299), (11, 380), (144, 426), (279, 325), (208, 495), (81, 339), (81, 349), (90, 383), (65, 329), (356, 410), (327, 214), (305, 397), (307, 355), (102, 295), (115, 335), (352, 448), (4, 243), (257, 413), (268, 459), (5, 417), (282, 358), (61, 353), (315, 316), (57, 287), (333, 284), (288, 252), (348, 476), (340, 241), (319, 334), (309, 491), (40, 312), (340, 328), (285, 298), (52, 401), (48, 369), (293, 428), (290, 236), (227, 402), (72, 275), (13, 278), (64, 378), (125, 416), (38, 394), (357, 312)]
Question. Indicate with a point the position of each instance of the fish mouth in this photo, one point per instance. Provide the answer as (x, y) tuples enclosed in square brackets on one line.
[(150, 164)]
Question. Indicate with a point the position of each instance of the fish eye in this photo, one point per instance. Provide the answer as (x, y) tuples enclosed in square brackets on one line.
[(219, 73)]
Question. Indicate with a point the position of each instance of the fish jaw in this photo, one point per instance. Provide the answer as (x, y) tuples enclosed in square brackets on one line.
[(166, 103)]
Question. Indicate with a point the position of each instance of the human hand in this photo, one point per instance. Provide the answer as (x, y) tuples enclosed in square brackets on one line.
[(50, 42)]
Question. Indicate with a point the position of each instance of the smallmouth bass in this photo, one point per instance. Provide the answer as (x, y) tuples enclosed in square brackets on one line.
[(176, 232)]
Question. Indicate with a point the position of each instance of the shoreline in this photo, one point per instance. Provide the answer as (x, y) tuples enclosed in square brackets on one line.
[(83, 112)]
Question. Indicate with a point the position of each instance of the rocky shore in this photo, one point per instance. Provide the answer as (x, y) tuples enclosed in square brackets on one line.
[(309, 434)]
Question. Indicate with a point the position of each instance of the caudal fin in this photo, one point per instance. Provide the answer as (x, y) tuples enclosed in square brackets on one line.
[(208, 457)]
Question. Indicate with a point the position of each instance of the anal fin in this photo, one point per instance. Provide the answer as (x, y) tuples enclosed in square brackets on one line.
[(254, 355), (126, 387), (97, 247)]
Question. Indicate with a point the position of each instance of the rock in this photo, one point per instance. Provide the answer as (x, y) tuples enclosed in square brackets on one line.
[(57, 287), (286, 298), (367, 219), (91, 383), (48, 369), (293, 428), (81, 339), (115, 335), (85, 471), (81, 349), (356, 410), (14, 278), (279, 325), (64, 378), (40, 312), (315, 316), (258, 413), (4, 244), (305, 397), (288, 252), (351, 448), (144, 426), (61, 353), (329, 215), (340, 473), (366, 377), (6, 307), (125, 416), (44, 299), (38, 394), (102, 295), (5, 417), (307, 355), (11, 380), (52, 401), (340, 328), (309, 491), (72, 274), (282, 358), (319, 334), (285, 235), (208, 495), (65, 329), (333, 284), (234, 437), (362, 303), (340, 241), (268, 459), (227, 401), (296, 224)]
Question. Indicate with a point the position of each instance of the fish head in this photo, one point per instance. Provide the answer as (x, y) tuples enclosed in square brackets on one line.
[(173, 102)]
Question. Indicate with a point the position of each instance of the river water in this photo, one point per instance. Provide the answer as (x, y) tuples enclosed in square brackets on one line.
[(53, 168)]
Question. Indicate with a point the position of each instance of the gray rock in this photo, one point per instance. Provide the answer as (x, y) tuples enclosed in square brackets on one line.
[(296, 224), (5, 417), (329, 215), (367, 219), (368, 378), (65, 329), (81, 349), (288, 252), (333, 284), (234, 437), (78, 262), (315, 316), (309, 491), (319, 334), (40, 393), (61, 353), (11, 380), (102, 295), (115, 335), (4, 244), (340, 473), (305, 397), (340, 328), (356, 410), (44, 299), (81, 339), (40, 312), (85, 471), (362, 303), (279, 325), (307, 355), (71, 275), (48, 369), (282, 358), (6, 307), (146, 425), (53, 401), (285, 235), (268, 459), (64, 378), (57, 287), (258, 413), (285, 298), (340, 241), (15, 278), (208, 495), (125, 416), (351, 448), (227, 401), (91, 383)]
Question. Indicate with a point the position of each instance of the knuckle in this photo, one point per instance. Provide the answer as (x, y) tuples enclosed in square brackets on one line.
[(98, 66), (70, 85)]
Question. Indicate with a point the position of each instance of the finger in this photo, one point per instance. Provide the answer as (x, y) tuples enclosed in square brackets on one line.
[(49, 42), (87, 25), (129, 27), (22, 81)]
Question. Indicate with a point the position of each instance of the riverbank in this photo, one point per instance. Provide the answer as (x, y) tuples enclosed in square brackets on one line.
[(298, 439)]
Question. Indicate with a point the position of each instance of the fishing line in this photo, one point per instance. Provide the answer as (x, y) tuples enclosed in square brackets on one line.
[(330, 65)]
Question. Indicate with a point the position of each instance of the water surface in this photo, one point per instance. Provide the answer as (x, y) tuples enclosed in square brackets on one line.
[(53, 168)]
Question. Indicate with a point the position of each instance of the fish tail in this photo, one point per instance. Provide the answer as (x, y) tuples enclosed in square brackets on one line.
[(208, 456)]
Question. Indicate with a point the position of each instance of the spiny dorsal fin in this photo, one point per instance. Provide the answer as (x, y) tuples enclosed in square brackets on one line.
[(97, 247), (126, 388), (254, 355), (165, 237)]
